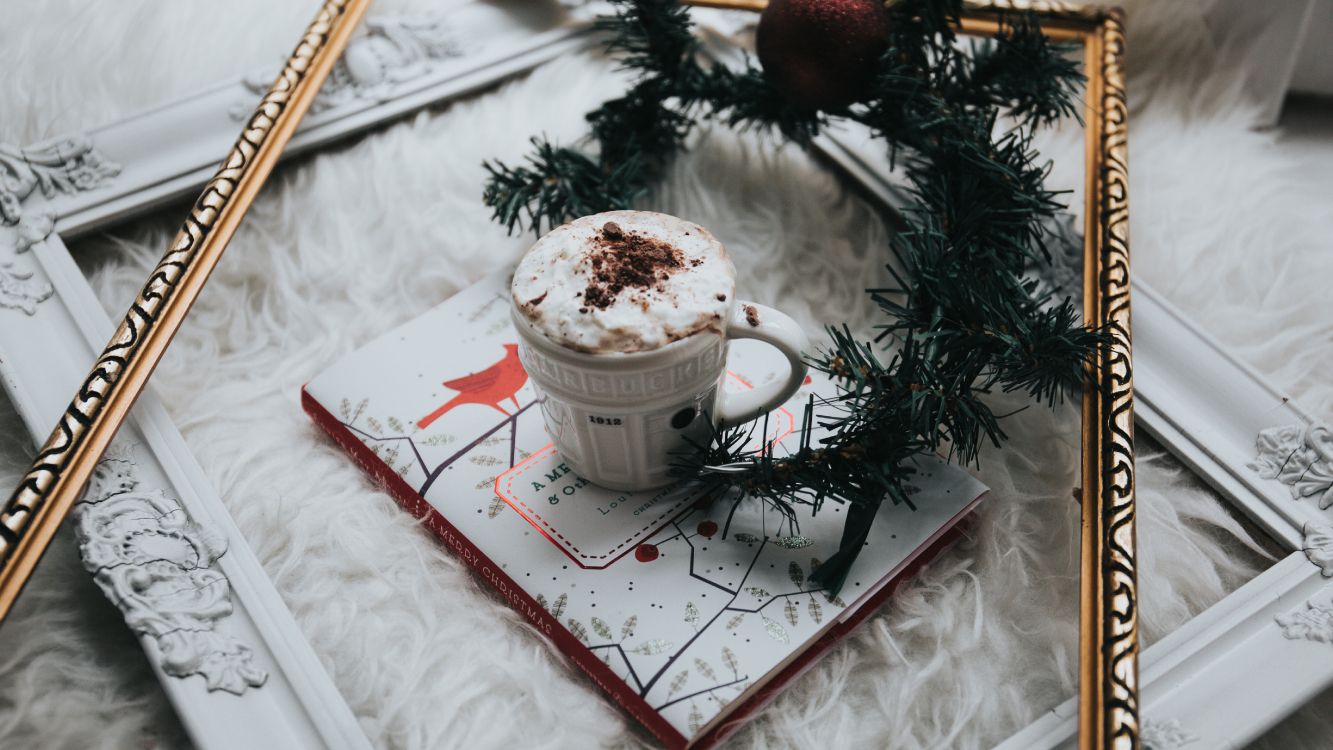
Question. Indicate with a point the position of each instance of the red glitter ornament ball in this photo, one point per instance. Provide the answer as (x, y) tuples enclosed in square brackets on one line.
[(646, 552), (822, 54), (707, 528)]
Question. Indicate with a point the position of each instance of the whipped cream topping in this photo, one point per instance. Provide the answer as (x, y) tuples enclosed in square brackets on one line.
[(624, 281)]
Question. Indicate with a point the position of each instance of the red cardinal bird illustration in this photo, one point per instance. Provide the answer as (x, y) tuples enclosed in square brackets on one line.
[(489, 387)]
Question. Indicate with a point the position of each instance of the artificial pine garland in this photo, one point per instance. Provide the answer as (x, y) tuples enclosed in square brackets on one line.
[(963, 318)]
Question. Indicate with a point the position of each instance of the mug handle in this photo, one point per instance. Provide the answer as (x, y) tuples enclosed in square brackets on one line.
[(753, 321)]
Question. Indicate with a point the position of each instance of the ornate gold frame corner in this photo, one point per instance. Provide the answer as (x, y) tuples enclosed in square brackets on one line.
[(1109, 632), (1108, 598)]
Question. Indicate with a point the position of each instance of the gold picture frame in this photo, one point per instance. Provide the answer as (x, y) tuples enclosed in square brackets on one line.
[(66, 461), (1108, 596), (1108, 588)]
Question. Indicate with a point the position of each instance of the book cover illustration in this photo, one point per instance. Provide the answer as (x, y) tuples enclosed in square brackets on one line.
[(690, 599)]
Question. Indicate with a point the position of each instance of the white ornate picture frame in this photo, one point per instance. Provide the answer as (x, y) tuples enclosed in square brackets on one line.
[(241, 674)]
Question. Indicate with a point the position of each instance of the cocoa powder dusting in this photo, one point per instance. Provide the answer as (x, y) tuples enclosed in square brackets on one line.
[(623, 260), (751, 315)]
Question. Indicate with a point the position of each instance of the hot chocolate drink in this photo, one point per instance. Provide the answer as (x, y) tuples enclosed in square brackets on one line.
[(624, 281), (623, 320)]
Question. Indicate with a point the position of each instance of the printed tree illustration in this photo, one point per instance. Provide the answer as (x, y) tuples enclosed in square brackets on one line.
[(400, 445), (684, 669)]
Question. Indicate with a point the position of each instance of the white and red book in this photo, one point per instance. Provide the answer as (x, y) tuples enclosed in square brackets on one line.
[(689, 608)]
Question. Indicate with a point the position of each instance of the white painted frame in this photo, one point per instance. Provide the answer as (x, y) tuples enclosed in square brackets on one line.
[(229, 655), (1219, 681), (1238, 668)]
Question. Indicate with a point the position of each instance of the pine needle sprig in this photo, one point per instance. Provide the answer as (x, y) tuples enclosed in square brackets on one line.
[(555, 183), (654, 38), (963, 317), (1035, 79), (744, 100)]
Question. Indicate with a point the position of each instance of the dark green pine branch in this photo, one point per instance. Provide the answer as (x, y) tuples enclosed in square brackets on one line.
[(632, 137), (1036, 80), (961, 319)]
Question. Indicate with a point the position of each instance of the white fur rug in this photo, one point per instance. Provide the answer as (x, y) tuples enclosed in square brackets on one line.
[(346, 244)]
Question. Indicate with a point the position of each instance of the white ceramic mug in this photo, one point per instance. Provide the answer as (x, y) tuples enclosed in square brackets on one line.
[(623, 419)]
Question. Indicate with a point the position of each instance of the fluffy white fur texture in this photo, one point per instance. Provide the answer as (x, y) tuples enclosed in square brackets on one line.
[(343, 245)]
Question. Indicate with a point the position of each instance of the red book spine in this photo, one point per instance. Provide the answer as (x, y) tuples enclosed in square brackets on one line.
[(512, 593)]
